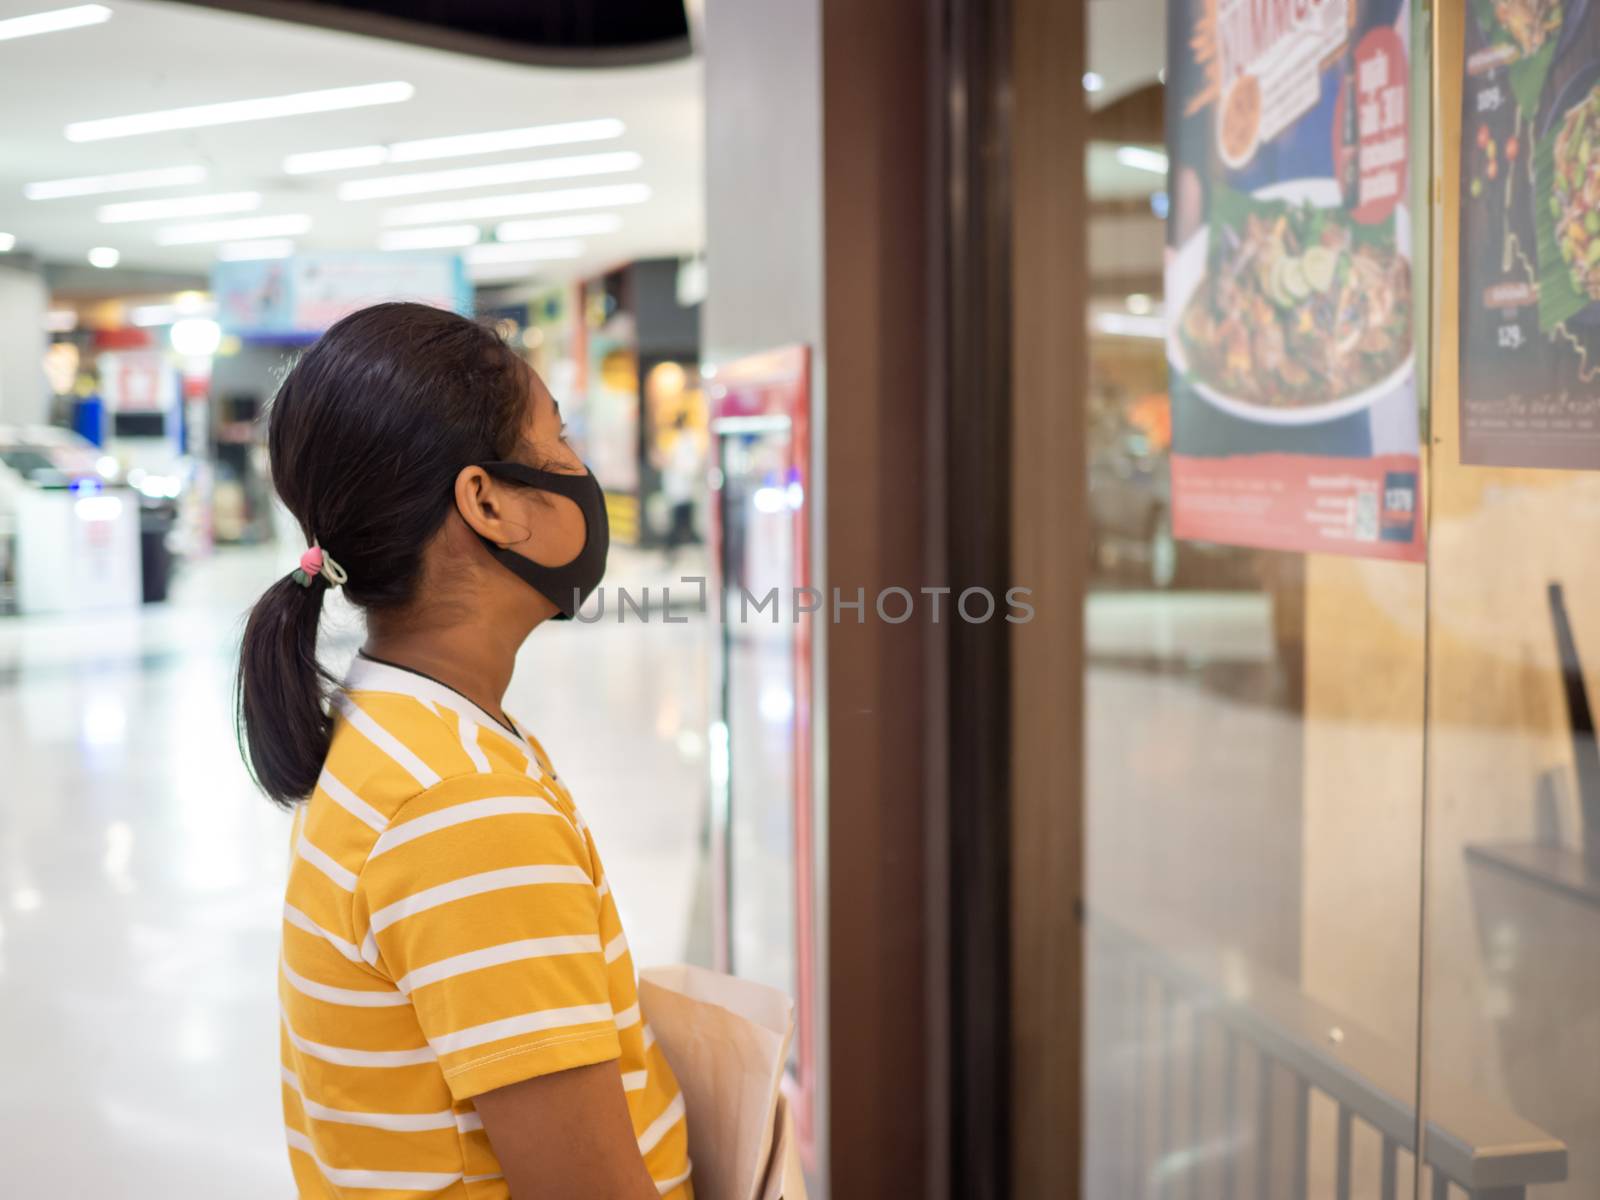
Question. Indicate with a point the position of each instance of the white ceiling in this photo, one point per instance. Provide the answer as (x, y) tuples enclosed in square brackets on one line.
[(153, 56)]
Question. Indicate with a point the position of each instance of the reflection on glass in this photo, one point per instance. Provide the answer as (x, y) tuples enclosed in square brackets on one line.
[(759, 699)]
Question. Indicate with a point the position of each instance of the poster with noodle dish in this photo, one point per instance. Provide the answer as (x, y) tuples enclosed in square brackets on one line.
[(1530, 234), (1290, 326)]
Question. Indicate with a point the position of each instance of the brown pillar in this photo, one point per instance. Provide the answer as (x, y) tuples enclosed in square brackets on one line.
[(875, 235), (1049, 554)]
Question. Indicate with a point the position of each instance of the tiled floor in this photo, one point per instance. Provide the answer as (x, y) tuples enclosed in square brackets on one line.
[(141, 876)]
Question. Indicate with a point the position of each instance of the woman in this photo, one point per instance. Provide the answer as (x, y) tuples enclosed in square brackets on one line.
[(459, 1008)]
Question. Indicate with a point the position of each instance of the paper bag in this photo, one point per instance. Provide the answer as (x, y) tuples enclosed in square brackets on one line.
[(727, 1040), (785, 1179)]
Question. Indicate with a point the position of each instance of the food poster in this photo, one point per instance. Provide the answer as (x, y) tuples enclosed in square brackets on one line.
[(1530, 234), (1290, 324)]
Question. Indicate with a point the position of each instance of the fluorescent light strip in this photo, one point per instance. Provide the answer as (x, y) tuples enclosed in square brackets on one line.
[(570, 167), (1126, 325), (465, 144), (232, 112), (523, 204), (434, 237), (178, 206), (315, 161), (54, 21), (255, 251), (126, 181), (1141, 159), (558, 227), (148, 315), (512, 252), (457, 146), (232, 231)]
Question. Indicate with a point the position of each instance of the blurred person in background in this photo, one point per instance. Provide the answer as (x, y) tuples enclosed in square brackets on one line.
[(459, 1004), (681, 473)]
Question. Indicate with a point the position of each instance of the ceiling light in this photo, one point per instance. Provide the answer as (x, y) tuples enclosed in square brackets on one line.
[(184, 304), (458, 146), (231, 231), (104, 257), (125, 181), (178, 206), (506, 139), (1141, 159), (232, 112), (8, 242), (54, 21), (195, 337), (1124, 325), (558, 227), (1093, 81), (348, 159), (504, 252), (569, 167), (254, 251), (522, 204), (435, 237)]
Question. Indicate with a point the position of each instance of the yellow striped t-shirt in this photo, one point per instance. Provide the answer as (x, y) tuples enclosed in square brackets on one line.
[(448, 930)]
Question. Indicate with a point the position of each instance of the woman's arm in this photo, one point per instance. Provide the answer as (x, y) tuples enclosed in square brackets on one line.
[(567, 1136)]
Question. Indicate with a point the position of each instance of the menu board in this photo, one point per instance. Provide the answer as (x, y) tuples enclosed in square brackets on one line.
[(1530, 234), (1290, 327)]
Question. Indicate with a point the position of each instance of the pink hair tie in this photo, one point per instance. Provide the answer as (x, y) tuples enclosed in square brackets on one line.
[(314, 562)]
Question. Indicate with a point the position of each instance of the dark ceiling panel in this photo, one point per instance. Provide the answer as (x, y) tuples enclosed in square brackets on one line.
[(558, 32)]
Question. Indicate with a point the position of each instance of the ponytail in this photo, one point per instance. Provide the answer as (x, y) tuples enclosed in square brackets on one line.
[(280, 702)]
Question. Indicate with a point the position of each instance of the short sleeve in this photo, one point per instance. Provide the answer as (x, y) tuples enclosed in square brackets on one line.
[(479, 900)]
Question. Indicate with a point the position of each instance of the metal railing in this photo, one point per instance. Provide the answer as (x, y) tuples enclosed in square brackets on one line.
[(1216, 1079)]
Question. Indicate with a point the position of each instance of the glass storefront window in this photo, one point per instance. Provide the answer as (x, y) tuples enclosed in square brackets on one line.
[(1340, 770)]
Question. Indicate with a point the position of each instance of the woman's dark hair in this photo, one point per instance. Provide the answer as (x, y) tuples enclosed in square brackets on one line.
[(366, 436)]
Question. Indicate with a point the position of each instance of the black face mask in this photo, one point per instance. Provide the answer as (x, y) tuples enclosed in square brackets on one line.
[(569, 585)]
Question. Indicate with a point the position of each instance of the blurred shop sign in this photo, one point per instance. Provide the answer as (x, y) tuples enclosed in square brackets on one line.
[(137, 381), (303, 295)]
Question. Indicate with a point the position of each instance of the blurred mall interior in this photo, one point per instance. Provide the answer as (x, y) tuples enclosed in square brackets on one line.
[(1250, 340)]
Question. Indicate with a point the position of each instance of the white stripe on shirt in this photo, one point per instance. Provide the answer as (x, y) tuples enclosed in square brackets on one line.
[(666, 1185), (394, 1122), (628, 1017), (635, 1081), (469, 742), (616, 948), (494, 956), (299, 920), (459, 814), (657, 1129), (380, 737), (533, 1022), (351, 997), (344, 1056), (426, 1182), (350, 802), (473, 885), (323, 862)]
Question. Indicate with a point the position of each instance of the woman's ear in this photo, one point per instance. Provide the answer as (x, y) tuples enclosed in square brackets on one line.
[(481, 505)]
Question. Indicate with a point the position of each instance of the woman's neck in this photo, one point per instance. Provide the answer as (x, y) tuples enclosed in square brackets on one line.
[(468, 659)]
